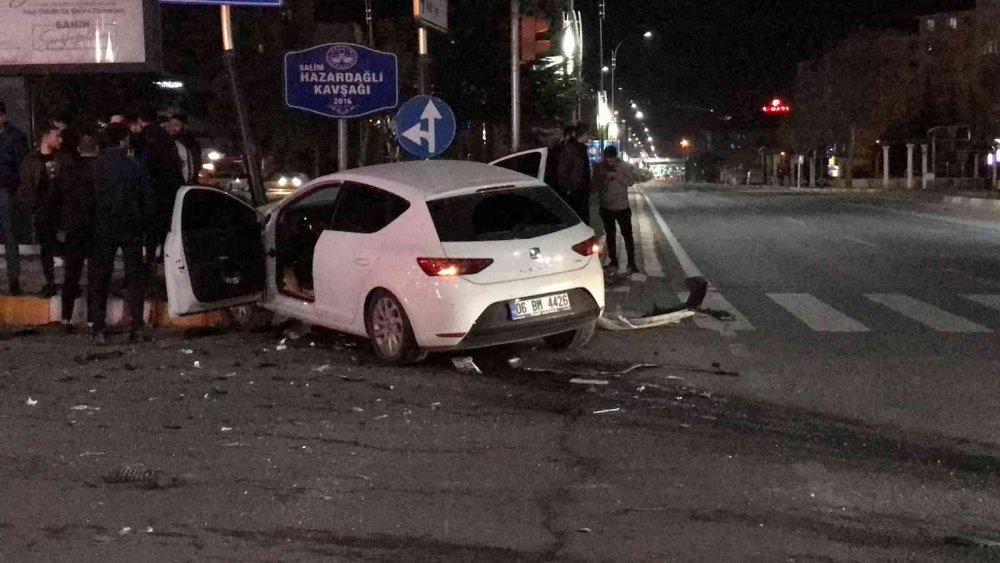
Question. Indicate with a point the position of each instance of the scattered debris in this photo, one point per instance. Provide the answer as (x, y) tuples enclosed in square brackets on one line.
[(84, 408), (582, 381), (434, 406), (282, 346), (585, 530), (131, 474), (656, 321), (197, 364), (321, 368), (381, 416), (385, 386), (971, 541), (149, 529), (187, 351), (357, 409), (125, 531), (582, 368), (606, 411), (88, 454), (466, 365), (98, 356), (365, 477), (226, 429), (31, 402)]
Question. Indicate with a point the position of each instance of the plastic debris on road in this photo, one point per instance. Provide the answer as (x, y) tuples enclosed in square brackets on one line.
[(226, 429), (656, 321), (466, 365), (197, 364), (606, 411), (31, 402), (283, 345), (592, 369), (125, 531), (585, 530), (84, 408), (322, 368), (187, 351), (582, 381)]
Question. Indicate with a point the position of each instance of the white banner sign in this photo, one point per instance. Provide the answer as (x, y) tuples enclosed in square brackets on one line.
[(64, 32), (432, 13)]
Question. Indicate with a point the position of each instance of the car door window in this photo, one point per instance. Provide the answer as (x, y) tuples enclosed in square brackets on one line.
[(528, 163), (363, 209)]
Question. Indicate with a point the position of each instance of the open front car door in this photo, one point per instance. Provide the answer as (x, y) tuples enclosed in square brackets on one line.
[(214, 253)]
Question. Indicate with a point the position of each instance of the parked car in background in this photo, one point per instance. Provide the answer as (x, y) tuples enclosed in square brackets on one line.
[(284, 184), (416, 256)]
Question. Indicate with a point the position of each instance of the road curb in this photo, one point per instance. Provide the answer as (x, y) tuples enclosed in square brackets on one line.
[(978, 202), (23, 311)]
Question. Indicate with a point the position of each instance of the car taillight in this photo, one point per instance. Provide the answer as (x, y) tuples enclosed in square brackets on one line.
[(589, 247), (447, 267)]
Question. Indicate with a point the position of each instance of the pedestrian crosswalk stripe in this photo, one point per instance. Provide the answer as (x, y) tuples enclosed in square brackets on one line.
[(925, 313), (991, 301), (714, 301), (816, 314)]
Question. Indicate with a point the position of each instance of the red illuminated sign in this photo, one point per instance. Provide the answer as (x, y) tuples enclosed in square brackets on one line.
[(777, 106)]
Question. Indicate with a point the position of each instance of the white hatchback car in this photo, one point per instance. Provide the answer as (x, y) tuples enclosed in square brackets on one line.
[(417, 256)]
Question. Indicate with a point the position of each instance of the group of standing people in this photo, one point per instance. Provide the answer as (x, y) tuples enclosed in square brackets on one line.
[(89, 197), (570, 174)]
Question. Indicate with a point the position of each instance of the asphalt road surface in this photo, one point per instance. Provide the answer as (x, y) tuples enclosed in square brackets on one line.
[(823, 423), (884, 311)]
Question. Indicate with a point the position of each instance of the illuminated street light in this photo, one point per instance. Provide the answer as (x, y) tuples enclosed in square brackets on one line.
[(648, 35), (649, 139), (605, 69), (640, 115), (634, 106)]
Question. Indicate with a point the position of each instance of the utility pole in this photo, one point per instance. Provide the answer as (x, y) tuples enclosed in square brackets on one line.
[(252, 155), (515, 76), (422, 60)]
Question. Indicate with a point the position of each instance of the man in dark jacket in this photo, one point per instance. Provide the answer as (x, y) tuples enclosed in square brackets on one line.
[(76, 221), (122, 200), (13, 149), (157, 155), (573, 173), (40, 173), (188, 149)]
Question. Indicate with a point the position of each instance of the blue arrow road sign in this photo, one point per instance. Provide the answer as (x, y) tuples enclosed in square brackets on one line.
[(425, 126), (254, 3), (341, 80)]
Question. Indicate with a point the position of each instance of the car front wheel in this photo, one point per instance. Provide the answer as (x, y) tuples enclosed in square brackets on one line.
[(390, 331), (573, 339)]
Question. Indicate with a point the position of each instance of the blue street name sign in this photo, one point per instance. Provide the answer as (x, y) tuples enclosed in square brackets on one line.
[(341, 80), (425, 126), (253, 3)]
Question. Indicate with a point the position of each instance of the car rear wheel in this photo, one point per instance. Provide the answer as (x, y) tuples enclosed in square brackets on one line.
[(390, 331), (573, 339)]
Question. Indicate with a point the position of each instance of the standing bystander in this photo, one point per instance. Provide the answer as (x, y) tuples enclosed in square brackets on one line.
[(40, 173), (76, 221), (121, 211), (612, 177), (188, 148), (573, 173), (161, 165), (13, 148)]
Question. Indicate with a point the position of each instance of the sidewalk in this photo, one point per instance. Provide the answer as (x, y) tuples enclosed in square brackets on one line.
[(30, 309)]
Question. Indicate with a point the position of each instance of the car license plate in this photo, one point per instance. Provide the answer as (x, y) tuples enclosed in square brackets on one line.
[(538, 306)]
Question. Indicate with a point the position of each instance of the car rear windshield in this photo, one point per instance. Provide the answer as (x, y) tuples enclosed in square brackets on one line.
[(501, 214)]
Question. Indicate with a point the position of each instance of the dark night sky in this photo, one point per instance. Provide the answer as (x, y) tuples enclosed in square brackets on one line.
[(732, 54)]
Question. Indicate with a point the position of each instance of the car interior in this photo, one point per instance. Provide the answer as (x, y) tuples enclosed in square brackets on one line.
[(296, 234)]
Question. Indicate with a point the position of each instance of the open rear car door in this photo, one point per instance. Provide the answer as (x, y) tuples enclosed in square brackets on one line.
[(214, 253)]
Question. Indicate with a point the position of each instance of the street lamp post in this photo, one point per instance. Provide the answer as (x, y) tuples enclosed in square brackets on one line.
[(614, 63)]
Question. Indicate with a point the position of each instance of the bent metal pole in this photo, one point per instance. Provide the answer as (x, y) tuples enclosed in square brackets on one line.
[(252, 156)]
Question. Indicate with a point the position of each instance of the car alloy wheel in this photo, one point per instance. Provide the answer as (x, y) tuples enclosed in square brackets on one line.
[(387, 326), (390, 330)]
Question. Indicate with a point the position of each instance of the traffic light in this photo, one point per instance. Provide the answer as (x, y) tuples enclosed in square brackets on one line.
[(531, 46)]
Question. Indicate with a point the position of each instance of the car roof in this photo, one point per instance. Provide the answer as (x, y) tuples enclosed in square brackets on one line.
[(428, 179)]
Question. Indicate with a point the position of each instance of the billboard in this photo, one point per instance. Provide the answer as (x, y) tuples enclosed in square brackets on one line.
[(432, 13), (45, 36)]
